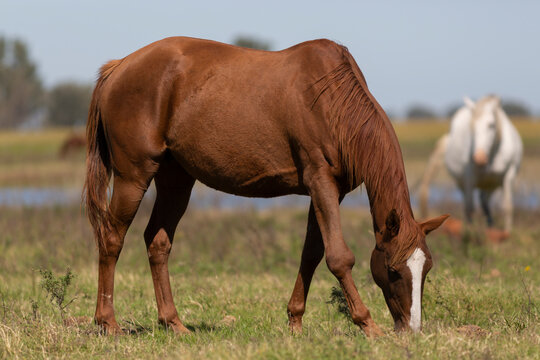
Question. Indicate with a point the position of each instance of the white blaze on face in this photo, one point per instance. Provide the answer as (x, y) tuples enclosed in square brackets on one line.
[(416, 265)]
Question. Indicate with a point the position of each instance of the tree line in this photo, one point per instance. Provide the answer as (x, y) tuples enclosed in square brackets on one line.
[(420, 111), (25, 102)]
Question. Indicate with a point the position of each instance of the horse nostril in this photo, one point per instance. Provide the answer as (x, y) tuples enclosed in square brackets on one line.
[(480, 158)]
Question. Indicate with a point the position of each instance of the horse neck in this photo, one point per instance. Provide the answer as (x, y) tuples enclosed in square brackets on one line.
[(385, 179)]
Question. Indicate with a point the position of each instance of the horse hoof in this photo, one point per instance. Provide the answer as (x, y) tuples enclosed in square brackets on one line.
[(372, 330), (178, 328), (295, 324), (113, 330), (496, 236), (108, 327), (296, 329)]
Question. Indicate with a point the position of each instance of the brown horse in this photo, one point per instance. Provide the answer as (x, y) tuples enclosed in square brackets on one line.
[(252, 123), (74, 143)]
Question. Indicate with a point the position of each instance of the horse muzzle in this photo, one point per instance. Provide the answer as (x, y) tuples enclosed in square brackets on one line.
[(480, 158)]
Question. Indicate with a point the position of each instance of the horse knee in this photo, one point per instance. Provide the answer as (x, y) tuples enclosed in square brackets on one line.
[(360, 316), (341, 263)]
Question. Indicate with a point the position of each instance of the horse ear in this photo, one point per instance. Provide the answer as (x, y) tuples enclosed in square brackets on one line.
[(392, 223), (432, 224), (468, 102)]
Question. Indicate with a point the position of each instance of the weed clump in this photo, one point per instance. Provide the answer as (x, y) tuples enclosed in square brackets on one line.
[(56, 288), (337, 299)]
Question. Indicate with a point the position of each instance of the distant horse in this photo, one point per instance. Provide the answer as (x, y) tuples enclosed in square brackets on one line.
[(252, 123), (482, 150), (73, 143)]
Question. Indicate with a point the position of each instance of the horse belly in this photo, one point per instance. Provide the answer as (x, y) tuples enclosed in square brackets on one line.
[(254, 161)]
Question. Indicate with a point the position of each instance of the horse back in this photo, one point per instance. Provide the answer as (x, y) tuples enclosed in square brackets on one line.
[(232, 117)]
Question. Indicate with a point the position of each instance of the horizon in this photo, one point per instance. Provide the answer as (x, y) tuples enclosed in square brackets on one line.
[(417, 53)]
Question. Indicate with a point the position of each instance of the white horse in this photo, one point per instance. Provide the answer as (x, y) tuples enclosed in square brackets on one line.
[(482, 150)]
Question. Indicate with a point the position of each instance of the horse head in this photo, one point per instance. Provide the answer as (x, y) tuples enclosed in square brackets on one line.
[(486, 127), (400, 271)]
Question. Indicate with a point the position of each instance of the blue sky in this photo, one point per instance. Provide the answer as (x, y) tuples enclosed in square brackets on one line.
[(428, 52)]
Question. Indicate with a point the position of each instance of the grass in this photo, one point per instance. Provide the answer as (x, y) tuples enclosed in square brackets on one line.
[(232, 273), (242, 265)]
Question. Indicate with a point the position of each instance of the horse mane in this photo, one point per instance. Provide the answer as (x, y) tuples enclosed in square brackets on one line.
[(367, 143), (483, 101)]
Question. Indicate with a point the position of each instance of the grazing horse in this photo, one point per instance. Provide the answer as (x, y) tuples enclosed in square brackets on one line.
[(252, 123), (74, 143), (482, 150)]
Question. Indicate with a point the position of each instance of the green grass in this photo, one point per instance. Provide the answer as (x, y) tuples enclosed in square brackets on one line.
[(243, 264)]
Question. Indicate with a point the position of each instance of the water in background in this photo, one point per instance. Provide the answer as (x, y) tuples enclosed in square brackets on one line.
[(205, 198)]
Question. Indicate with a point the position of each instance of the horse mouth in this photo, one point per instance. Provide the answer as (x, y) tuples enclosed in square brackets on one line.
[(480, 158)]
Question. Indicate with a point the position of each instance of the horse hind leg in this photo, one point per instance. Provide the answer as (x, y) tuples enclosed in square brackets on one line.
[(127, 194), (312, 255), (173, 186)]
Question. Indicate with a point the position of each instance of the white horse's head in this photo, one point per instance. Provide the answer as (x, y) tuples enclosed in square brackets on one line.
[(486, 126)]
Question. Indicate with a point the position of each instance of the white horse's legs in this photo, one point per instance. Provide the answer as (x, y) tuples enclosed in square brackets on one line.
[(467, 190), (507, 205), (485, 196)]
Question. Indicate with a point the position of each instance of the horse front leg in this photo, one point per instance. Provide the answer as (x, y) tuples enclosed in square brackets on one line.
[(468, 199), (508, 205), (311, 257), (485, 196), (340, 260)]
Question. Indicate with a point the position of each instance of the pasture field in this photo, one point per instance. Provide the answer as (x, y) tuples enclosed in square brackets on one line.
[(232, 272)]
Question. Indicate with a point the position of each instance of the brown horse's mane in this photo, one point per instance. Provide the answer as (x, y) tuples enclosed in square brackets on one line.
[(368, 146)]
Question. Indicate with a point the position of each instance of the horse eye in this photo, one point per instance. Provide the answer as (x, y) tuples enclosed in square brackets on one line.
[(393, 274)]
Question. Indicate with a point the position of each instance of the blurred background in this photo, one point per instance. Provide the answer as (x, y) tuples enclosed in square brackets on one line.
[(419, 58)]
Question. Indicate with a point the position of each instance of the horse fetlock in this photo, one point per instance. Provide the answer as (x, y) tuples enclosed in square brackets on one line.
[(362, 317), (168, 316), (295, 310)]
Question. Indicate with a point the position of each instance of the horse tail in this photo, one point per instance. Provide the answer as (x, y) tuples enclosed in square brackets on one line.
[(98, 161), (434, 163)]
